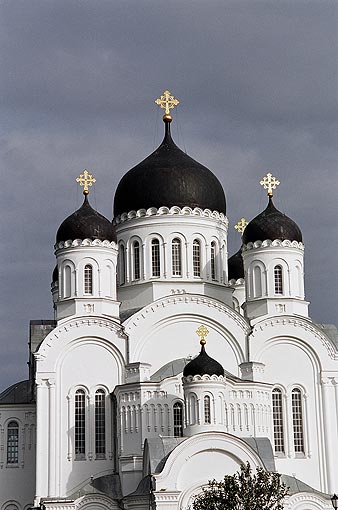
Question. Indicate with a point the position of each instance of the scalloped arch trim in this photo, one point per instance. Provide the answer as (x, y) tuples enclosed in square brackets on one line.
[(84, 242), (277, 242), (205, 377), (172, 211)]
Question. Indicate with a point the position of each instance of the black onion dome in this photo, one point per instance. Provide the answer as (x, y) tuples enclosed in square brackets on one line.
[(203, 365), (271, 224), (235, 266), (169, 177), (86, 223)]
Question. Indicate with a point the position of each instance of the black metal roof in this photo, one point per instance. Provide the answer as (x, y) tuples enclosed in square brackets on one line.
[(203, 365), (235, 266), (169, 177), (86, 223), (271, 224)]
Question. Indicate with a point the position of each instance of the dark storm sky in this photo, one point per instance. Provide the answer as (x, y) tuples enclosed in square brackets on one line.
[(257, 81)]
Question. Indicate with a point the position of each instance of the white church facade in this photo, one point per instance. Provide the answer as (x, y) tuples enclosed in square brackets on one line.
[(126, 407)]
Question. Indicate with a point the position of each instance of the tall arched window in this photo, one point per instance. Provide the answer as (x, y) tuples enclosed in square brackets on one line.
[(196, 257), (67, 279), (257, 279), (80, 424), (297, 420), (13, 442), (277, 415), (178, 419), (155, 258), (100, 424), (278, 279), (88, 279), (136, 257), (207, 409), (122, 264), (213, 260), (176, 257)]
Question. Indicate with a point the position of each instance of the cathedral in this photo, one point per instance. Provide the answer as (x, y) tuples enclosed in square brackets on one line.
[(169, 363)]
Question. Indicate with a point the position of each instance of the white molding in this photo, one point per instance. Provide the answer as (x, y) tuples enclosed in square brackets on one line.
[(276, 243), (172, 211)]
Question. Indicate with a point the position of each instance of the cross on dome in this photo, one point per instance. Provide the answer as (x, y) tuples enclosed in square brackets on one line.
[(167, 102), (86, 179), (202, 332), (240, 225), (270, 183)]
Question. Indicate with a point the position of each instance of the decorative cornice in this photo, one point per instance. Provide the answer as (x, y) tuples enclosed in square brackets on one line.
[(301, 323), (84, 242), (59, 331), (190, 298), (205, 377), (276, 243), (172, 211)]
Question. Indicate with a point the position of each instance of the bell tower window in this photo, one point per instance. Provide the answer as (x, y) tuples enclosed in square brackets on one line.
[(155, 258), (12, 443), (278, 279), (207, 409), (196, 257), (136, 254), (122, 264), (213, 260), (100, 424), (178, 419), (88, 279), (297, 420), (278, 426), (176, 255), (80, 424)]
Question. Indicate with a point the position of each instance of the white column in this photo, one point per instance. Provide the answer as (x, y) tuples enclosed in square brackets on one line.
[(41, 440), (330, 432), (52, 438)]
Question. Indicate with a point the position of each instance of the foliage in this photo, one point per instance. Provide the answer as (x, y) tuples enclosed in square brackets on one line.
[(244, 490)]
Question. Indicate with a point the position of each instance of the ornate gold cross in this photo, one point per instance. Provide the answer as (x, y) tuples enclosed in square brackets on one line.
[(167, 102), (270, 183), (240, 226), (202, 332), (86, 179)]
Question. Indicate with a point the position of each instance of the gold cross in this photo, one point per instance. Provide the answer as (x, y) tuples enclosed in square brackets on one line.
[(270, 183), (167, 102), (240, 226), (86, 179), (202, 332)]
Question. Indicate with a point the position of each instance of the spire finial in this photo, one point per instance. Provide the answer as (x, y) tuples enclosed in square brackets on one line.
[(202, 332), (86, 179), (270, 183), (240, 225), (167, 102)]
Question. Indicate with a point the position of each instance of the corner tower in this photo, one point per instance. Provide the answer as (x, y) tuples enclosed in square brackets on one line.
[(84, 280), (171, 225), (273, 256)]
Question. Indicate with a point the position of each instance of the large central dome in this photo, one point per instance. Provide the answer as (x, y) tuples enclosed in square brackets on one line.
[(169, 177)]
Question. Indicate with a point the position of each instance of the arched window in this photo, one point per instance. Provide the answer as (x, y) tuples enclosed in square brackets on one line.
[(176, 257), (100, 424), (122, 264), (67, 279), (13, 442), (136, 255), (196, 257), (155, 258), (178, 419), (80, 424), (257, 277), (278, 425), (88, 279), (207, 409), (297, 420), (213, 260), (278, 279)]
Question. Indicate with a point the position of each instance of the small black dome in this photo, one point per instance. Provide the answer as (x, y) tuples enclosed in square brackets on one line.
[(203, 365), (235, 266), (271, 224), (86, 223), (169, 177)]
